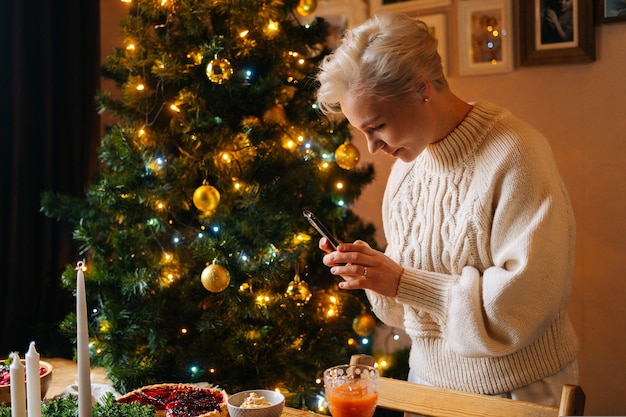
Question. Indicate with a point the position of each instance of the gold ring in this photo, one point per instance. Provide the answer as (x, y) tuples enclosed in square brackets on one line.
[(364, 271)]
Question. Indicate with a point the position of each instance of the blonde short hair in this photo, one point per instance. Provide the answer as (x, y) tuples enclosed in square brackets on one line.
[(387, 57)]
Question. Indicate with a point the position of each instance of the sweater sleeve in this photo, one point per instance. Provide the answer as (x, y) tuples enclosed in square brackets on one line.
[(518, 280)]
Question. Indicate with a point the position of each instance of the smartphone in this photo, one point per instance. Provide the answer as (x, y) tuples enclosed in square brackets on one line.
[(319, 226)]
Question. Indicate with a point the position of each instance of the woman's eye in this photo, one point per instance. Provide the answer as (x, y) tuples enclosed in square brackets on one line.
[(377, 127)]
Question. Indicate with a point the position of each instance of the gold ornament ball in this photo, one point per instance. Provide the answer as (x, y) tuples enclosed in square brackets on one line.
[(364, 325), (298, 291), (347, 156), (306, 7), (215, 278), (219, 70), (206, 198)]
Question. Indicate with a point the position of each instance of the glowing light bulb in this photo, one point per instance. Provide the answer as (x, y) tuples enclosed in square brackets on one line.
[(244, 33), (140, 87), (130, 47), (272, 26), (175, 108), (339, 185), (227, 157)]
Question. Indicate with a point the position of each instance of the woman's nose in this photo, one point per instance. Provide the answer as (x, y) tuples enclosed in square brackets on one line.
[(374, 145)]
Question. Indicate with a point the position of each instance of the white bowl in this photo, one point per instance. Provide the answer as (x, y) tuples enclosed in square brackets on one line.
[(276, 399)]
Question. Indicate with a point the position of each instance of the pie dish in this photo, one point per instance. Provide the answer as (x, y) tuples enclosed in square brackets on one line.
[(181, 400)]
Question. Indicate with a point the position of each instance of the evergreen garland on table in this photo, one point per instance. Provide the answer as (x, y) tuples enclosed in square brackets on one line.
[(216, 149), (67, 406)]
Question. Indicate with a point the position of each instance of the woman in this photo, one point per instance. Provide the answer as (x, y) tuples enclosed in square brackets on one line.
[(480, 232), (558, 22)]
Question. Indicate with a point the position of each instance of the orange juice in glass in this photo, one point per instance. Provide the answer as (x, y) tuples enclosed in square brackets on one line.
[(351, 390)]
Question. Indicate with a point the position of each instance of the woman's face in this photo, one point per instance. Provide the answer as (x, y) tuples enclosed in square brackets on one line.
[(400, 129), (565, 5)]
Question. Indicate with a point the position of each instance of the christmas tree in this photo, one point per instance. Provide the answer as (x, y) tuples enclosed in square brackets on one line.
[(200, 264)]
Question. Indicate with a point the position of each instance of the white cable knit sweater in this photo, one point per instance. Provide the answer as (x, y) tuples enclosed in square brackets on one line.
[(482, 224)]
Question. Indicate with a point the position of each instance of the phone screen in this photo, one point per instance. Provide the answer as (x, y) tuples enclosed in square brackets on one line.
[(319, 226)]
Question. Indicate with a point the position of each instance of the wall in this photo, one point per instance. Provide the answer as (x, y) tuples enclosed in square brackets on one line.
[(582, 110)]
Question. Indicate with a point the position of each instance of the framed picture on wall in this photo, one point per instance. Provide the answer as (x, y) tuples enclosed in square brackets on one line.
[(405, 5), (438, 28), (485, 37), (610, 11), (556, 32), (340, 15)]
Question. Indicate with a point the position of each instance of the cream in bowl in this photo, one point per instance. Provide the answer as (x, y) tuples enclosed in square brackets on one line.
[(256, 403)]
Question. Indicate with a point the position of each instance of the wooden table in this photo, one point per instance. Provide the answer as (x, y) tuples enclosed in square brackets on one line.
[(292, 412), (66, 371)]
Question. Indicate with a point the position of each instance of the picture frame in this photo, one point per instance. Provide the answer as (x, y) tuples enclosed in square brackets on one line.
[(610, 11), (485, 37), (401, 6), (540, 45), (341, 15), (437, 23)]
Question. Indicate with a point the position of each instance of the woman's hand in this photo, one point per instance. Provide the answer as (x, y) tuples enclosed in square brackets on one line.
[(362, 267)]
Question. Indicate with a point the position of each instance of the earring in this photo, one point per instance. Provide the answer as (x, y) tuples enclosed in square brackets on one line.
[(426, 99)]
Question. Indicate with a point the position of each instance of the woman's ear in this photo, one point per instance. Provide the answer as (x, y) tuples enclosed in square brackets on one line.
[(424, 90)]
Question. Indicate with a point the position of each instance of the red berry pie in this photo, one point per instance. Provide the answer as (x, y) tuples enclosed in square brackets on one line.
[(181, 400)]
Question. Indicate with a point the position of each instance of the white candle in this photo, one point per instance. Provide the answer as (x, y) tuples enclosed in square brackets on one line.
[(18, 388), (82, 341), (33, 383)]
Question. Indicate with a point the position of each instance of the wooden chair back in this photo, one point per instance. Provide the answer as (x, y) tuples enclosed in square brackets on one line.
[(394, 394)]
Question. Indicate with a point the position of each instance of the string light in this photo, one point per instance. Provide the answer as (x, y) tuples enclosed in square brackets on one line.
[(160, 205)]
